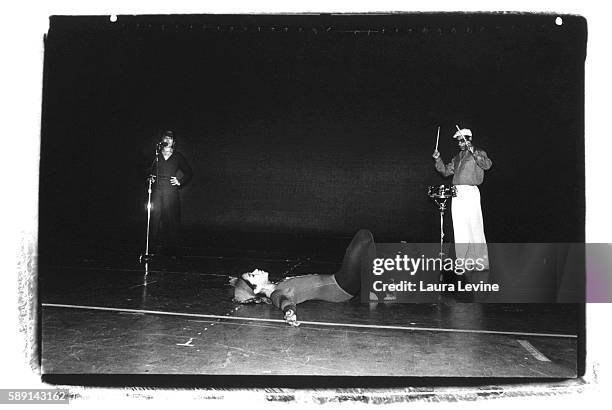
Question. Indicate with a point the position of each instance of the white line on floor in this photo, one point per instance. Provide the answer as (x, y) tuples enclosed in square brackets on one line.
[(534, 352), (428, 329)]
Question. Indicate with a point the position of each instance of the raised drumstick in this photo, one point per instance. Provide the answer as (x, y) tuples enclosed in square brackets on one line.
[(460, 133)]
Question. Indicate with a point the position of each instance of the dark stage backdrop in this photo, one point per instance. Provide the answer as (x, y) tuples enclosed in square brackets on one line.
[(321, 124)]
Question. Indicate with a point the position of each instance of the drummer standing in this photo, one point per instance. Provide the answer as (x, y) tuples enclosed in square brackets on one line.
[(467, 168)]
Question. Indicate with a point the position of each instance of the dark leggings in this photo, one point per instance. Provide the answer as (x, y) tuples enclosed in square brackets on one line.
[(359, 255)]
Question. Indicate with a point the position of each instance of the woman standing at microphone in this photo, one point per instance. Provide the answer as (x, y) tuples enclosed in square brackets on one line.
[(166, 210)]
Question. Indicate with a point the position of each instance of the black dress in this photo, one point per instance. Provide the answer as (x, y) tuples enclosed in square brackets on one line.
[(165, 203)]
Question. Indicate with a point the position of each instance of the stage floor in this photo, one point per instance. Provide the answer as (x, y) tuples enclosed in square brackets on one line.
[(102, 313)]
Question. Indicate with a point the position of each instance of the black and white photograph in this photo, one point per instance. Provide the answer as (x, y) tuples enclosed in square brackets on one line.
[(260, 200)]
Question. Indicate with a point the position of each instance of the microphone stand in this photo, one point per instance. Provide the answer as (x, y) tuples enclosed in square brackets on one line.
[(146, 256)]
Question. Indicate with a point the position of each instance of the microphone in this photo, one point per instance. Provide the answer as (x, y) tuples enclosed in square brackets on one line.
[(160, 145)]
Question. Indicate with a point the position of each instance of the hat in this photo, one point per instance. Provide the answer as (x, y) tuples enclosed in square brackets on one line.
[(466, 132), (242, 291)]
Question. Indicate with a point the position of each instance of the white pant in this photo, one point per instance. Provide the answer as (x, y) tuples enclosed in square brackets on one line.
[(470, 241)]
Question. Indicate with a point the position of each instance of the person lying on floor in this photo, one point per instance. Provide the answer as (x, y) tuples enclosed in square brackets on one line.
[(255, 287)]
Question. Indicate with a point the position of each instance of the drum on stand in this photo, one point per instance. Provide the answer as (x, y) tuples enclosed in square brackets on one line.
[(440, 194)]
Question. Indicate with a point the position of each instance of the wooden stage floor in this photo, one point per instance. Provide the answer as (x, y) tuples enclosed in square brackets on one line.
[(101, 314)]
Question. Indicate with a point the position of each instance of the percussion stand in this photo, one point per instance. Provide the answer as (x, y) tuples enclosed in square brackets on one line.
[(442, 207)]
